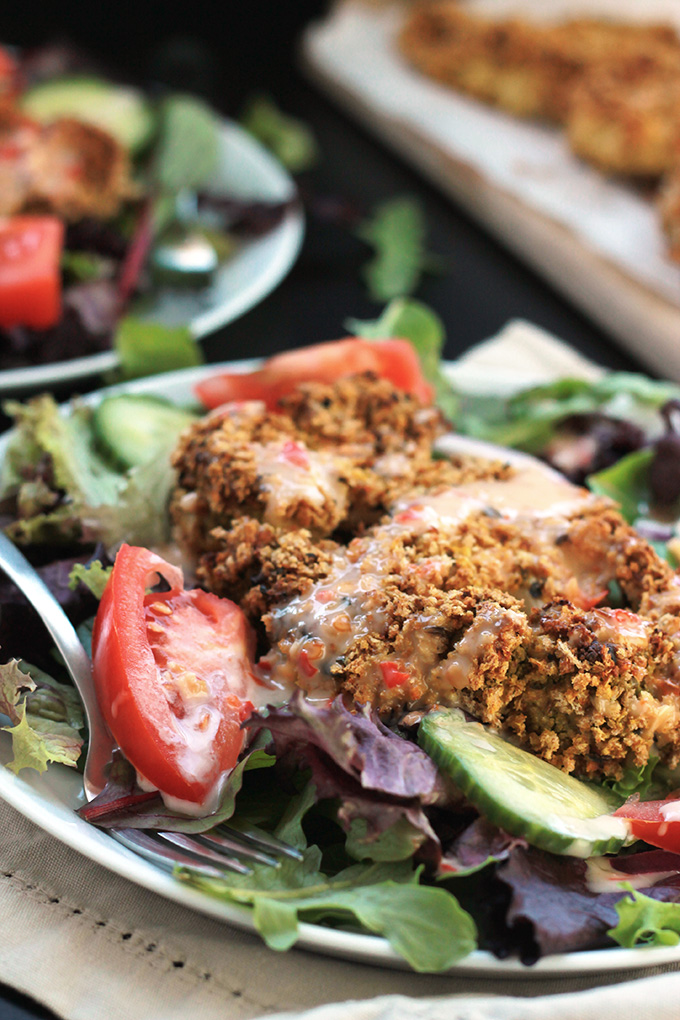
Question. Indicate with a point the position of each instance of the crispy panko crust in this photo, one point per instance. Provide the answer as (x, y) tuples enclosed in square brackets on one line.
[(625, 118), (332, 458), (526, 68), (66, 167), (405, 582), (499, 62), (614, 86), (260, 566), (586, 703)]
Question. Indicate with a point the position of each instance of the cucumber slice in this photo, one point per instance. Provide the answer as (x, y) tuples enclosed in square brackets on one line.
[(521, 793), (118, 109), (133, 428)]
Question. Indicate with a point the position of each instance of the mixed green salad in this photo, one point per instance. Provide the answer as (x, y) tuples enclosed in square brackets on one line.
[(125, 216), (442, 837)]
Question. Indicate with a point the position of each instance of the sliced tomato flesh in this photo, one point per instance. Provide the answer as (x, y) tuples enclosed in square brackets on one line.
[(657, 822), (30, 274), (172, 671), (392, 359)]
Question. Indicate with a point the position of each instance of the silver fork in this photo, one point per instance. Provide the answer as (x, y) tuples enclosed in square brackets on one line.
[(211, 854)]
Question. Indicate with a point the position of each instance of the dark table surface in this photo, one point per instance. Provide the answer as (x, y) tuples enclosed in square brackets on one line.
[(253, 48)]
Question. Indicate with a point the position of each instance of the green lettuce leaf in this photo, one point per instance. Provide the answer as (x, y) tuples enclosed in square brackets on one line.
[(644, 921), (413, 321), (398, 843), (187, 154), (531, 418), (638, 779), (396, 231), (289, 139), (67, 440), (93, 575), (627, 482), (84, 265), (425, 925), (45, 718), (140, 514), (146, 348), (87, 499)]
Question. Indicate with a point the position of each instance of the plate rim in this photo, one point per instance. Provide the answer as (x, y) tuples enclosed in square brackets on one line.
[(64, 825), (288, 235)]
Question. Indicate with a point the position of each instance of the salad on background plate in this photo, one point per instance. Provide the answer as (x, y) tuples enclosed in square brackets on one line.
[(443, 669), (130, 227)]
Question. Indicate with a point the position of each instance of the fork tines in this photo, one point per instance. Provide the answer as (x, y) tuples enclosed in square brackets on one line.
[(209, 854)]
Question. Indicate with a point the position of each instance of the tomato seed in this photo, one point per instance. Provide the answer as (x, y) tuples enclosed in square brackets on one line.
[(162, 608)]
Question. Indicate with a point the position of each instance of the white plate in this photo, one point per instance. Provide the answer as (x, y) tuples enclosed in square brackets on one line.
[(48, 800), (246, 170)]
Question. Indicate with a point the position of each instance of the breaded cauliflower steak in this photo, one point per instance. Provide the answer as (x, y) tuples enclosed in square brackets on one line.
[(527, 68), (405, 582)]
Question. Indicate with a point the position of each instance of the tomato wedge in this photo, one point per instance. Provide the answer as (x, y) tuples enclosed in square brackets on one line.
[(395, 360), (30, 274), (657, 822), (172, 672)]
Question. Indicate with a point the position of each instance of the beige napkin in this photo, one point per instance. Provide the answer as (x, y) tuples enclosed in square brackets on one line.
[(90, 944)]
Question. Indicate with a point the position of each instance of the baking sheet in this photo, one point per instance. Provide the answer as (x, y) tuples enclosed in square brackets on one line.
[(599, 241)]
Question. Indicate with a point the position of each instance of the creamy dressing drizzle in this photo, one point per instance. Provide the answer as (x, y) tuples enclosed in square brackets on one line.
[(530, 491), (207, 806), (588, 831), (602, 876), (670, 811), (392, 465), (290, 473), (198, 736), (323, 624), (345, 605), (621, 625), (487, 625)]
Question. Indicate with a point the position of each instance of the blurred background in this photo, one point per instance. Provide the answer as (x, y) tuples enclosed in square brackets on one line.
[(222, 50), (230, 52)]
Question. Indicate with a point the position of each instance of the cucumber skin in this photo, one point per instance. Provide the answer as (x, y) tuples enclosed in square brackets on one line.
[(561, 843), (121, 446)]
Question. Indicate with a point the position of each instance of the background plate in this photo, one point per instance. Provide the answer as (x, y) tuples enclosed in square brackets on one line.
[(48, 800), (246, 170)]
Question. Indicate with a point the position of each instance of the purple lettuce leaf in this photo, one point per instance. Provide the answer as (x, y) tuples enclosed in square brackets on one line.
[(246, 218), (95, 302), (20, 626), (382, 782), (648, 862), (553, 910), (358, 743), (479, 845), (368, 814)]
